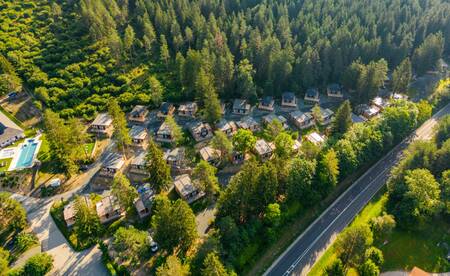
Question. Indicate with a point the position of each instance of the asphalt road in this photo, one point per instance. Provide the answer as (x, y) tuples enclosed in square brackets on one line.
[(312, 243)]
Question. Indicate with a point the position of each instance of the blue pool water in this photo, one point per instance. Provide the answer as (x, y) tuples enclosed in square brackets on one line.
[(26, 155)]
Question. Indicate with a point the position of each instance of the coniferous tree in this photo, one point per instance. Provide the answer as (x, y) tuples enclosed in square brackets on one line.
[(177, 132), (126, 194), (121, 131), (402, 77), (129, 39), (87, 224), (164, 53), (171, 267), (342, 119), (212, 266), (174, 224), (206, 179), (157, 167), (222, 143)]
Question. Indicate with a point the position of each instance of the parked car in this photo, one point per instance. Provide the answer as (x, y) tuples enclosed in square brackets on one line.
[(153, 245)]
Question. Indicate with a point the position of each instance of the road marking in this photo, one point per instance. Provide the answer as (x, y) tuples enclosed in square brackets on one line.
[(292, 267), (416, 135)]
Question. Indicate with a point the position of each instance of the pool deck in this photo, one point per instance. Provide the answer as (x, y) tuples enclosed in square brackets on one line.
[(18, 150)]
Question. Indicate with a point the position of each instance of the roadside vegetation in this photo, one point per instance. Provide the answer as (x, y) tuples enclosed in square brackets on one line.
[(76, 59), (410, 222)]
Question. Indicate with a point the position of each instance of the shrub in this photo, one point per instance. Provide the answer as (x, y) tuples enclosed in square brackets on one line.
[(38, 265)]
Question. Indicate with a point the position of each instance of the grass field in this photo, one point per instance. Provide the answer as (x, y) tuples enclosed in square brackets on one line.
[(418, 248), (404, 249), (5, 164)]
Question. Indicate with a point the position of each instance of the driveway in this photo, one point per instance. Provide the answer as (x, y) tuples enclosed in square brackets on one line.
[(204, 219), (66, 260)]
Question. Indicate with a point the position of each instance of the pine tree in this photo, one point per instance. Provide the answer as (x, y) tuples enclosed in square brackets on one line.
[(212, 266), (172, 267), (221, 143), (343, 119), (317, 114), (206, 179), (126, 194), (327, 172), (208, 96), (87, 224), (402, 77), (177, 132), (121, 131), (128, 40), (174, 224), (164, 50), (157, 167)]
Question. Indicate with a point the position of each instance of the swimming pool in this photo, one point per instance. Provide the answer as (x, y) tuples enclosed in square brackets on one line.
[(26, 154)]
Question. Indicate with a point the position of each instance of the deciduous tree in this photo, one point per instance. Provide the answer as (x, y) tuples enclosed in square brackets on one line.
[(352, 243)]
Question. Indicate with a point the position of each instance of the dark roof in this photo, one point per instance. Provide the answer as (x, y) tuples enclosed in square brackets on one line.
[(267, 100), (165, 107), (288, 96), (312, 92), (334, 87)]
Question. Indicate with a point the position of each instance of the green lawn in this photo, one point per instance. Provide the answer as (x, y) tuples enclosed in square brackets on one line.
[(418, 248), (89, 147), (6, 162), (404, 249)]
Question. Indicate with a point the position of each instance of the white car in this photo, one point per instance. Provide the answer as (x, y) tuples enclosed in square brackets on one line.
[(153, 245)]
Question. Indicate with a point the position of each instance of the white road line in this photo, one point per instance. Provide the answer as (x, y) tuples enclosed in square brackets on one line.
[(415, 136), (334, 220)]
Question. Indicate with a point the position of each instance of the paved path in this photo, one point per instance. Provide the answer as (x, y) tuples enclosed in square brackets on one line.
[(203, 220), (312, 243), (66, 260)]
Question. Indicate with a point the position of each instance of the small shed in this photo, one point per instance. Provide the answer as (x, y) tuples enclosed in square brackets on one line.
[(264, 149), (334, 90), (112, 165), (210, 155), (164, 134), (102, 125), (268, 119), (138, 135), (109, 209)]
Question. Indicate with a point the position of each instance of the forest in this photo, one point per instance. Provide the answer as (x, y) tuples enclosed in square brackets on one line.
[(75, 55)]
